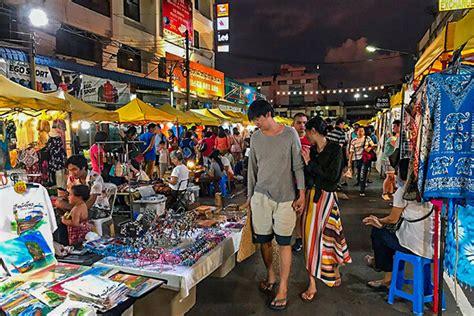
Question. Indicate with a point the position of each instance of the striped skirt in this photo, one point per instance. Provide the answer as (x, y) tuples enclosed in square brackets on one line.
[(323, 238)]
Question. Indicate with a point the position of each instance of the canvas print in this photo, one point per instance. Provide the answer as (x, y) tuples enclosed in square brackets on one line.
[(26, 253), (48, 296), (137, 285), (73, 308)]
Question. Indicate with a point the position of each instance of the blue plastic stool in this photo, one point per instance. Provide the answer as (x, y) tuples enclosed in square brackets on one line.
[(222, 185), (422, 288)]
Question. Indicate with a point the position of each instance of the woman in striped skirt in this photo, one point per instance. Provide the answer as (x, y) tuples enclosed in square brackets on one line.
[(323, 238)]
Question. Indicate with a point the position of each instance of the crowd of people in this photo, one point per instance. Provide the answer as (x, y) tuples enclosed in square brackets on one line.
[(294, 175)]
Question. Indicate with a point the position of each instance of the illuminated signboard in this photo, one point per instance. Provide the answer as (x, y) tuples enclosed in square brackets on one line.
[(449, 5), (177, 19), (222, 28)]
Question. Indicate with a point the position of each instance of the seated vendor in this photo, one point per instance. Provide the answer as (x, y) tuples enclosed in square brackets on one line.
[(214, 173), (77, 220), (79, 174), (228, 162), (180, 175)]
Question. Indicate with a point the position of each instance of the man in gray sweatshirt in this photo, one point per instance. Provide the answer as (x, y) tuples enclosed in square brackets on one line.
[(276, 192)]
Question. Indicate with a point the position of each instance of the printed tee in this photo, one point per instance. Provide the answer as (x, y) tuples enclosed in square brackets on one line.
[(24, 213)]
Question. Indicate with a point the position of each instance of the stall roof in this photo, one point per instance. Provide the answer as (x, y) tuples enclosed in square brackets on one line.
[(453, 36), (16, 96), (101, 73), (81, 111), (179, 116), (239, 115), (139, 112), (205, 119), (222, 116)]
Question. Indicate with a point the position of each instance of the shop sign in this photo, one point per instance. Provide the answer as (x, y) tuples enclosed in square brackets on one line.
[(177, 18), (222, 10), (222, 28), (449, 5), (19, 72), (98, 90), (382, 102), (204, 81)]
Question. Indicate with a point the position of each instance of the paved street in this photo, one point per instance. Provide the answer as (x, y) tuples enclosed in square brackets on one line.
[(237, 294)]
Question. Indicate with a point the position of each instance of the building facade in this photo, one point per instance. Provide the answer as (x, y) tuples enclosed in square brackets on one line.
[(292, 90), (125, 36)]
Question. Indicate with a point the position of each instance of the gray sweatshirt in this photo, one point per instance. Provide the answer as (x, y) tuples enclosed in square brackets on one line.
[(274, 164)]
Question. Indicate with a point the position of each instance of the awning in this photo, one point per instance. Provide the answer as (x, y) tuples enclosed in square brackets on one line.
[(139, 112), (15, 96), (13, 54), (179, 116), (101, 73), (283, 120), (220, 115), (244, 118), (205, 119), (81, 111), (453, 36)]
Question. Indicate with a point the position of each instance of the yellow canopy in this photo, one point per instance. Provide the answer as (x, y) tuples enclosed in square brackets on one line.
[(239, 115), (450, 38), (397, 99), (204, 119), (178, 115), (220, 115), (14, 95), (137, 111), (81, 111), (283, 120), (362, 122)]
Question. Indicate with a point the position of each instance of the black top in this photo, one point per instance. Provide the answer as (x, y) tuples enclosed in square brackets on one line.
[(324, 169)]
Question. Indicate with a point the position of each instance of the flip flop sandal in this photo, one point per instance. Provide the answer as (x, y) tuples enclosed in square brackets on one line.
[(275, 307), (307, 299), (266, 287), (339, 279), (378, 285)]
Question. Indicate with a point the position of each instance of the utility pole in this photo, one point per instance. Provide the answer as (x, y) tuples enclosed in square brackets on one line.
[(32, 53), (188, 74)]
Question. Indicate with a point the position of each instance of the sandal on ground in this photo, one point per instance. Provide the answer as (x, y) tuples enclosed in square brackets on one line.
[(266, 287), (338, 281), (378, 285), (280, 307), (308, 298)]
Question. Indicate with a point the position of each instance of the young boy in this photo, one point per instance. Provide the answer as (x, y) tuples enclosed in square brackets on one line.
[(77, 219)]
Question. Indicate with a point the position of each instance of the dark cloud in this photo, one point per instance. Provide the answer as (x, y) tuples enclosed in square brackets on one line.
[(307, 29)]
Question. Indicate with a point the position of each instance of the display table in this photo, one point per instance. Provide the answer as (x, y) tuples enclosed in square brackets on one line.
[(180, 278)]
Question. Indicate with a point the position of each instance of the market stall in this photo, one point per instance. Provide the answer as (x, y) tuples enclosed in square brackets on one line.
[(139, 112)]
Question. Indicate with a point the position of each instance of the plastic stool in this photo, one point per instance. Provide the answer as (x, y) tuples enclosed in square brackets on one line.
[(422, 288), (222, 185)]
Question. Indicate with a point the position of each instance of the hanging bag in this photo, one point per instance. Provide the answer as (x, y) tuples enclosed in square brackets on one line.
[(394, 227), (368, 156)]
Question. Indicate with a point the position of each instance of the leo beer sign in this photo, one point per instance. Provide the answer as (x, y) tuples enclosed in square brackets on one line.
[(222, 27)]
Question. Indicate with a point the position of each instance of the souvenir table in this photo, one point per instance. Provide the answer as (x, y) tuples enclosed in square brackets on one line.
[(183, 279)]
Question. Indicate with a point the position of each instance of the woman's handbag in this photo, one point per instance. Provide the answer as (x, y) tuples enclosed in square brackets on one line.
[(368, 156), (394, 227)]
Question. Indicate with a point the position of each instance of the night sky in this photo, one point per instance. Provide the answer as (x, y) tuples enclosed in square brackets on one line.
[(326, 31)]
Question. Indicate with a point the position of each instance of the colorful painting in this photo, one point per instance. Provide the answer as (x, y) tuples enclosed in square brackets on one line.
[(28, 217), (26, 253), (137, 285), (48, 296), (9, 285), (30, 306), (73, 308)]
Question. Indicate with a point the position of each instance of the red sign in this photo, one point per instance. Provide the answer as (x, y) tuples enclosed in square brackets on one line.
[(177, 18), (204, 81)]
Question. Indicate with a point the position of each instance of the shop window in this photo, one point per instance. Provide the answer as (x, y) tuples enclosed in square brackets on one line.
[(131, 9), (282, 82), (296, 82), (81, 46), (309, 80), (196, 39), (253, 84), (196, 4), (266, 83), (8, 22), (99, 6), (129, 58)]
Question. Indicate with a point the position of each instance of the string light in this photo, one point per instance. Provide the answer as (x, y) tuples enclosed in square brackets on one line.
[(333, 91)]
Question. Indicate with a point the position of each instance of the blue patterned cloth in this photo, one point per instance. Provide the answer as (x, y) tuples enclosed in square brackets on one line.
[(464, 271), (450, 172)]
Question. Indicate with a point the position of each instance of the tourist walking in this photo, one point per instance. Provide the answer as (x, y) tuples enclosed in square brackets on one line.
[(325, 246), (275, 175), (356, 150)]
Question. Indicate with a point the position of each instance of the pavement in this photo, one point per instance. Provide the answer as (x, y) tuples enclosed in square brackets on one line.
[(238, 294)]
